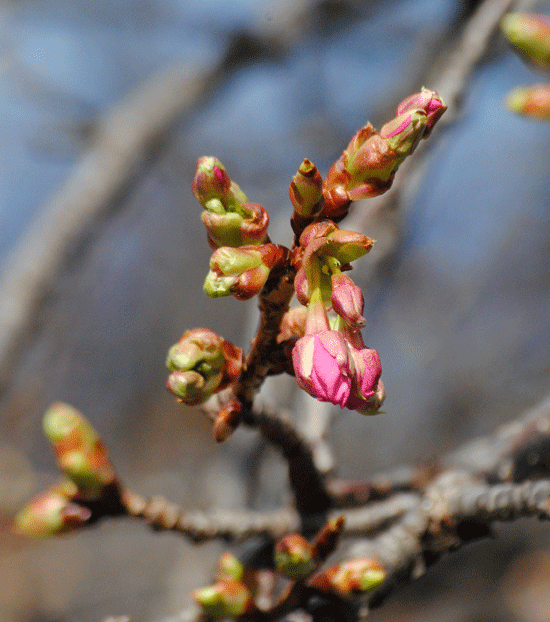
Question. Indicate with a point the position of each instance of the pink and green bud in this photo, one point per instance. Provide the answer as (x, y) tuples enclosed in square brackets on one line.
[(532, 101), (230, 568), (52, 512), (349, 578), (202, 363), (429, 102), (214, 190), (529, 35), (224, 599), (236, 271), (190, 387), (294, 557), (306, 193), (232, 229), (230, 220), (79, 452), (368, 165), (404, 133), (347, 300)]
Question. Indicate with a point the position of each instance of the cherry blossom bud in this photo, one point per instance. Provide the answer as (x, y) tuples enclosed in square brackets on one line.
[(367, 166), (224, 599), (242, 272), (202, 363), (347, 300), (531, 101), (529, 35), (230, 220), (306, 195), (429, 102), (213, 188), (230, 568), (294, 557), (80, 453), (349, 578), (404, 133), (324, 366), (51, 513)]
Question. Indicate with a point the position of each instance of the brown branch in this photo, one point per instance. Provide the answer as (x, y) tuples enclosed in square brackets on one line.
[(310, 494)]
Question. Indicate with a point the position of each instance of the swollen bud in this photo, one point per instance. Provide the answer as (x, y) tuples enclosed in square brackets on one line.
[(347, 300), (532, 101), (349, 578), (294, 557), (230, 568), (202, 363), (80, 453), (52, 512), (224, 599), (529, 35), (428, 102), (306, 195), (230, 220), (242, 272)]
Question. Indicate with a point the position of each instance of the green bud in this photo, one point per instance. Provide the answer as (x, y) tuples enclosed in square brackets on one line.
[(79, 451), (51, 513), (224, 599), (306, 190), (529, 35), (229, 567), (294, 557), (533, 101)]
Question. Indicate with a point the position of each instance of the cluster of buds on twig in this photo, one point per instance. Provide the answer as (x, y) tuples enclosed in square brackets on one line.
[(236, 591), (88, 476), (201, 364), (321, 345), (529, 36)]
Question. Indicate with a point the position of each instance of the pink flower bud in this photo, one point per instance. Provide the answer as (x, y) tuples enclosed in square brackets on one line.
[(529, 35), (367, 167), (347, 300), (429, 102), (324, 366), (229, 568), (531, 101)]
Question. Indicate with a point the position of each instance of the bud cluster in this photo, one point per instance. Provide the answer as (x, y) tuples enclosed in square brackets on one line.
[(88, 473), (201, 364), (529, 36), (322, 344)]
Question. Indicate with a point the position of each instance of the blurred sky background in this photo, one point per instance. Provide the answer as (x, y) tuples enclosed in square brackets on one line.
[(458, 304)]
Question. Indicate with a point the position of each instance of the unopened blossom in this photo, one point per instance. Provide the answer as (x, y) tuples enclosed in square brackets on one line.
[(368, 165), (347, 300), (78, 449), (242, 272), (224, 599), (349, 578), (229, 218), (201, 364), (529, 35), (294, 556), (530, 101), (324, 366)]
